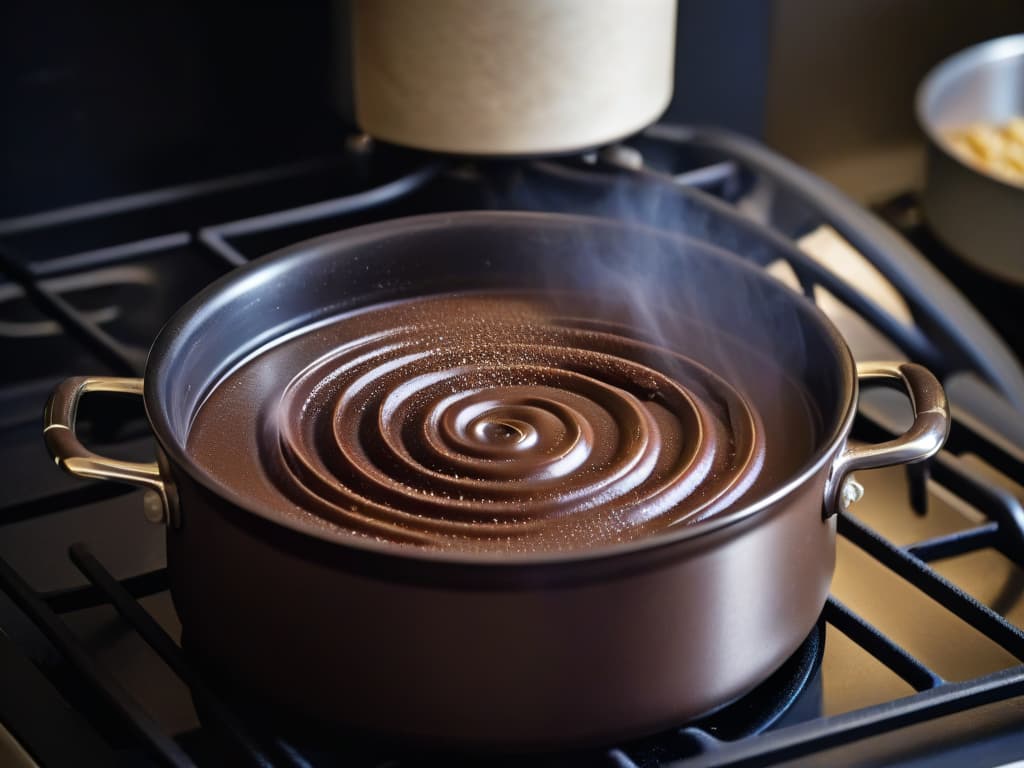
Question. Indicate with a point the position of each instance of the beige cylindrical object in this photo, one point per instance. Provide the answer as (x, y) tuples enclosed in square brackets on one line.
[(511, 77)]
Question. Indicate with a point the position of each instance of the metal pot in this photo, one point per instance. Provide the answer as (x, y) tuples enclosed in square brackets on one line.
[(504, 650), (978, 215)]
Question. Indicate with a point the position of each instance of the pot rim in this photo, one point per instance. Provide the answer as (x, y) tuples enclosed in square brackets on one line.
[(179, 457), (952, 68)]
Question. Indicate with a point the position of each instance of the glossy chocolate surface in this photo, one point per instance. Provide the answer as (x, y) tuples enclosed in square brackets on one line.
[(503, 422)]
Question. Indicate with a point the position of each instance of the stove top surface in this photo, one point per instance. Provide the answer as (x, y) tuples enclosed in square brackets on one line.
[(917, 657)]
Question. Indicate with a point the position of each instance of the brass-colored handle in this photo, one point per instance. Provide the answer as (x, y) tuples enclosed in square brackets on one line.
[(923, 440), (69, 453)]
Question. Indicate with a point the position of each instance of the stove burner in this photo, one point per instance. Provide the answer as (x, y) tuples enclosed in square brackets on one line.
[(771, 700), (794, 682)]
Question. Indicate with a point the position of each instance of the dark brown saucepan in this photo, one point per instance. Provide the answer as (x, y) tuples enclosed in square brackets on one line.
[(500, 479)]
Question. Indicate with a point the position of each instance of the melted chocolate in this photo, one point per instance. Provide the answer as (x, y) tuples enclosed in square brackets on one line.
[(494, 421)]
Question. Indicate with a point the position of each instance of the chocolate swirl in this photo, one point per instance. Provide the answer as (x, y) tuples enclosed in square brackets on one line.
[(504, 426)]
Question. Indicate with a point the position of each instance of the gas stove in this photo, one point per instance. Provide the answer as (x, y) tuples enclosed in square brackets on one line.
[(917, 658)]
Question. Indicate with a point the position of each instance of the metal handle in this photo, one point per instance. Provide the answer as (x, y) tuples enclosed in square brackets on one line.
[(69, 453), (923, 440)]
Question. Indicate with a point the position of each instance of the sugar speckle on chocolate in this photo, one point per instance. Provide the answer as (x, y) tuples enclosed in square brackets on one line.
[(489, 422)]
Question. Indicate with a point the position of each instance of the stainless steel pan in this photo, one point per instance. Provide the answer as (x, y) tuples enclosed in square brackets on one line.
[(980, 216)]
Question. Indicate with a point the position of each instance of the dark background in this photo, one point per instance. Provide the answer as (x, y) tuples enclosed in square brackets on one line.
[(101, 99)]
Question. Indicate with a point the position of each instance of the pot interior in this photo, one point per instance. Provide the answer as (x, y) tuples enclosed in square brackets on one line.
[(982, 84), (749, 345)]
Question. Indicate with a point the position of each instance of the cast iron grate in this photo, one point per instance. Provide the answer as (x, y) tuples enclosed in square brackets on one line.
[(997, 299), (712, 190)]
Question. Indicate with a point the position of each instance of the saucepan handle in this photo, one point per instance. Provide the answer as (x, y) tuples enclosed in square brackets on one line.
[(923, 440), (69, 453)]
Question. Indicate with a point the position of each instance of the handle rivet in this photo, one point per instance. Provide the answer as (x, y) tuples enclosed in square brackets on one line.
[(851, 492), (153, 507)]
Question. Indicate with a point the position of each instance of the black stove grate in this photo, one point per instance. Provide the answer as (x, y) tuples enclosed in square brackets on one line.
[(997, 299), (410, 186)]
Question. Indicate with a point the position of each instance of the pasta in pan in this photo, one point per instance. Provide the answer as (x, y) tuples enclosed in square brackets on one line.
[(995, 149)]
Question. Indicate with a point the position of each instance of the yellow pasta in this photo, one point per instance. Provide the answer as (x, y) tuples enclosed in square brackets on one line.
[(995, 149)]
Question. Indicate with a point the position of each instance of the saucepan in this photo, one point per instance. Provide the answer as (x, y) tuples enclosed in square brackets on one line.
[(512, 649), (976, 212)]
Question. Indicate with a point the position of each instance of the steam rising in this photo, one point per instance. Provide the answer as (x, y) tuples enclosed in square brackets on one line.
[(751, 330)]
